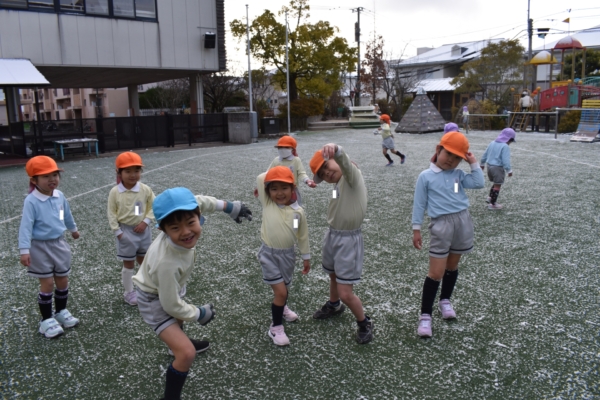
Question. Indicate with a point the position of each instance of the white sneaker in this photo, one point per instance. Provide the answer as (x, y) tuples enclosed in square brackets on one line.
[(131, 298), (50, 328), (65, 318), (277, 333), (289, 315), (495, 206)]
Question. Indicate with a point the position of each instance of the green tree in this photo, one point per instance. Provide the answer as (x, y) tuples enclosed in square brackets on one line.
[(317, 57), (498, 68), (592, 64)]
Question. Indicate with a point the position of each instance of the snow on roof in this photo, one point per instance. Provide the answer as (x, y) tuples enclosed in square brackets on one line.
[(460, 52), (434, 85)]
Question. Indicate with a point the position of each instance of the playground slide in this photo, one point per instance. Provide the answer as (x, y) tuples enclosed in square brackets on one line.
[(589, 127)]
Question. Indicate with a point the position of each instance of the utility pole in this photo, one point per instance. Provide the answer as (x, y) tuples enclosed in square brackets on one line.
[(287, 72), (249, 69), (529, 35), (357, 39)]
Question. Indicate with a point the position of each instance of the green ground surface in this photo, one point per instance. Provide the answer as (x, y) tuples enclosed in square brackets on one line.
[(527, 297)]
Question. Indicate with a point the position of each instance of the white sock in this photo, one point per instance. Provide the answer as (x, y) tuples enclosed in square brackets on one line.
[(127, 275)]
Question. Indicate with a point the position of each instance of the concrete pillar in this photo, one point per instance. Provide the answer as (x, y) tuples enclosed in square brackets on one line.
[(13, 104), (196, 94), (134, 100)]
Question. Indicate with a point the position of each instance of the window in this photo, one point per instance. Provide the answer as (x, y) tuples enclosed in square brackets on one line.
[(135, 9), (97, 7), (145, 9), (84, 102), (45, 4), (13, 3), (123, 8), (71, 5), (66, 92)]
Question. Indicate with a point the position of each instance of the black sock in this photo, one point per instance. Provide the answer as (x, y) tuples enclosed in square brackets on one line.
[(448, 284), (175, 381), (60, 299), (364, 321), (45, 303), (277, 312), (388, 157), (333, 304), (494, 196), (491, 191), (430, 288), (399, 154)]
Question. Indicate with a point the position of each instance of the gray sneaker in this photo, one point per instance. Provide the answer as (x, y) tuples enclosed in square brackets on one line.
[(328, 311), (364, 334)]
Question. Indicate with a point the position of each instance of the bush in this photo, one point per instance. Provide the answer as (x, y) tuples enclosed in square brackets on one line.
[(569, 122), (303, 108)]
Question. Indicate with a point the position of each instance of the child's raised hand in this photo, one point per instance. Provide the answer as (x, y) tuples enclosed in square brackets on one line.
[(311, 183), (417, 240), (329, 150), (75, 235), (141, 227), (25, 260), (470, 158), (255, 192), (306, 269)]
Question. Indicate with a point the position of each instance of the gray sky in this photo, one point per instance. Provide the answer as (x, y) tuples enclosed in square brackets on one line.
[(408, 24)]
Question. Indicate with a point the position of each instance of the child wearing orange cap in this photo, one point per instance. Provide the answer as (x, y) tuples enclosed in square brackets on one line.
[(388, 140), (343, 250), (288, 157), (283, 226), (440, 191), (43, 249), (129, 216)]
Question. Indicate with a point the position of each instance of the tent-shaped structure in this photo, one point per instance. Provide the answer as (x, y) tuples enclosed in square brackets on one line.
[(421, 116)]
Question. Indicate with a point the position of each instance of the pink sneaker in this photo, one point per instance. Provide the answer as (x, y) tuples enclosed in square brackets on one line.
[(131, 298), (446, 309), (289, 315), (424, 329), (277, 333), (495, 206)]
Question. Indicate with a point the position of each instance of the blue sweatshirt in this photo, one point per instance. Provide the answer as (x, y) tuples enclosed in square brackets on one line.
[(42, 218), (497, 154), (435, 192)]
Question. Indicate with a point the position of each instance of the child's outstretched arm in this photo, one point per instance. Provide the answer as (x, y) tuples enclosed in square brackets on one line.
[(236, 210)]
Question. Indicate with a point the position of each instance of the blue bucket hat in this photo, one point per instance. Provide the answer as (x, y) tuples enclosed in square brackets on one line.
[(172, 200)]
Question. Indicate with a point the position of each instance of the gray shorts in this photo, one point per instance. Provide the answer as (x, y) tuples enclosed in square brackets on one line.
[(496, 174), (152, 311), (131, 244), (451, 233), (277, 264), (49, 258), (388, 143), (343, 253)]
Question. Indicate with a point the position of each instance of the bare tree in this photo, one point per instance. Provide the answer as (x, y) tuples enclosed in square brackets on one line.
[(222, 89), (374, 68), (172, 95), (397, 84)]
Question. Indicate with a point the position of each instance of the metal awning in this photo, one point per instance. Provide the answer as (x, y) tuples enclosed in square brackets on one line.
[(21, 73)]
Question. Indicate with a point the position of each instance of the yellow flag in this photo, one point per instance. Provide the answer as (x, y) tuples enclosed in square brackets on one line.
[(568, 20)]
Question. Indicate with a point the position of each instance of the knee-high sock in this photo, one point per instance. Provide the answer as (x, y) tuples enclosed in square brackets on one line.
[(430, 288), (494, 195), (448, 284), (127, 275), (399, 154), (60, 299), (175, 381), (277, 313), (388, 157), (45, 303)]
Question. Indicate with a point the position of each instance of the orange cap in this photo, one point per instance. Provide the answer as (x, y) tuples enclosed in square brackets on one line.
[(316, 162), (385, 118), (279, 174), (128, 159), (455, 143), (286, 141), (41, 165)]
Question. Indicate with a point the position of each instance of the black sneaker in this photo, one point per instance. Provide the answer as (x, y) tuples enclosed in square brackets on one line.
[(200, 345), (364, 334), (328, 311)]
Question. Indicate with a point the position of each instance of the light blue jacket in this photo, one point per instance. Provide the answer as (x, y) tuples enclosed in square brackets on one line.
[(437, 193), (497, 154), (42, 218)]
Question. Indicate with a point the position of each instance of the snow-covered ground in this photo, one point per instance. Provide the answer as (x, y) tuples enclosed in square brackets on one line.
[(527, 297)]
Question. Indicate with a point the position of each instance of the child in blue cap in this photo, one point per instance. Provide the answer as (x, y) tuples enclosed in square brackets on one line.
[(497, 156), (166, 268)]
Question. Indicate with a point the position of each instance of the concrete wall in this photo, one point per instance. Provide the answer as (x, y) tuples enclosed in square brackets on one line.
[(175, 41)]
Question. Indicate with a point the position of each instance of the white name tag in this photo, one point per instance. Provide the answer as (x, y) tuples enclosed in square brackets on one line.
[(61, 214), (295, 223), (334, 194), (137, 210), (456, 187)]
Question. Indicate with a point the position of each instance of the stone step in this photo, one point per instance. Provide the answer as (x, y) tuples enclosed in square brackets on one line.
[(327, 125)]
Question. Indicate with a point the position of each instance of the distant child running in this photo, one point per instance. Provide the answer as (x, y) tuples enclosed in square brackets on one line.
[(283, 226), (43, 249), (166, 269), (288, 157), (497, 157), (343, 249), (440, 191), (388, 140), (130, 215)]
